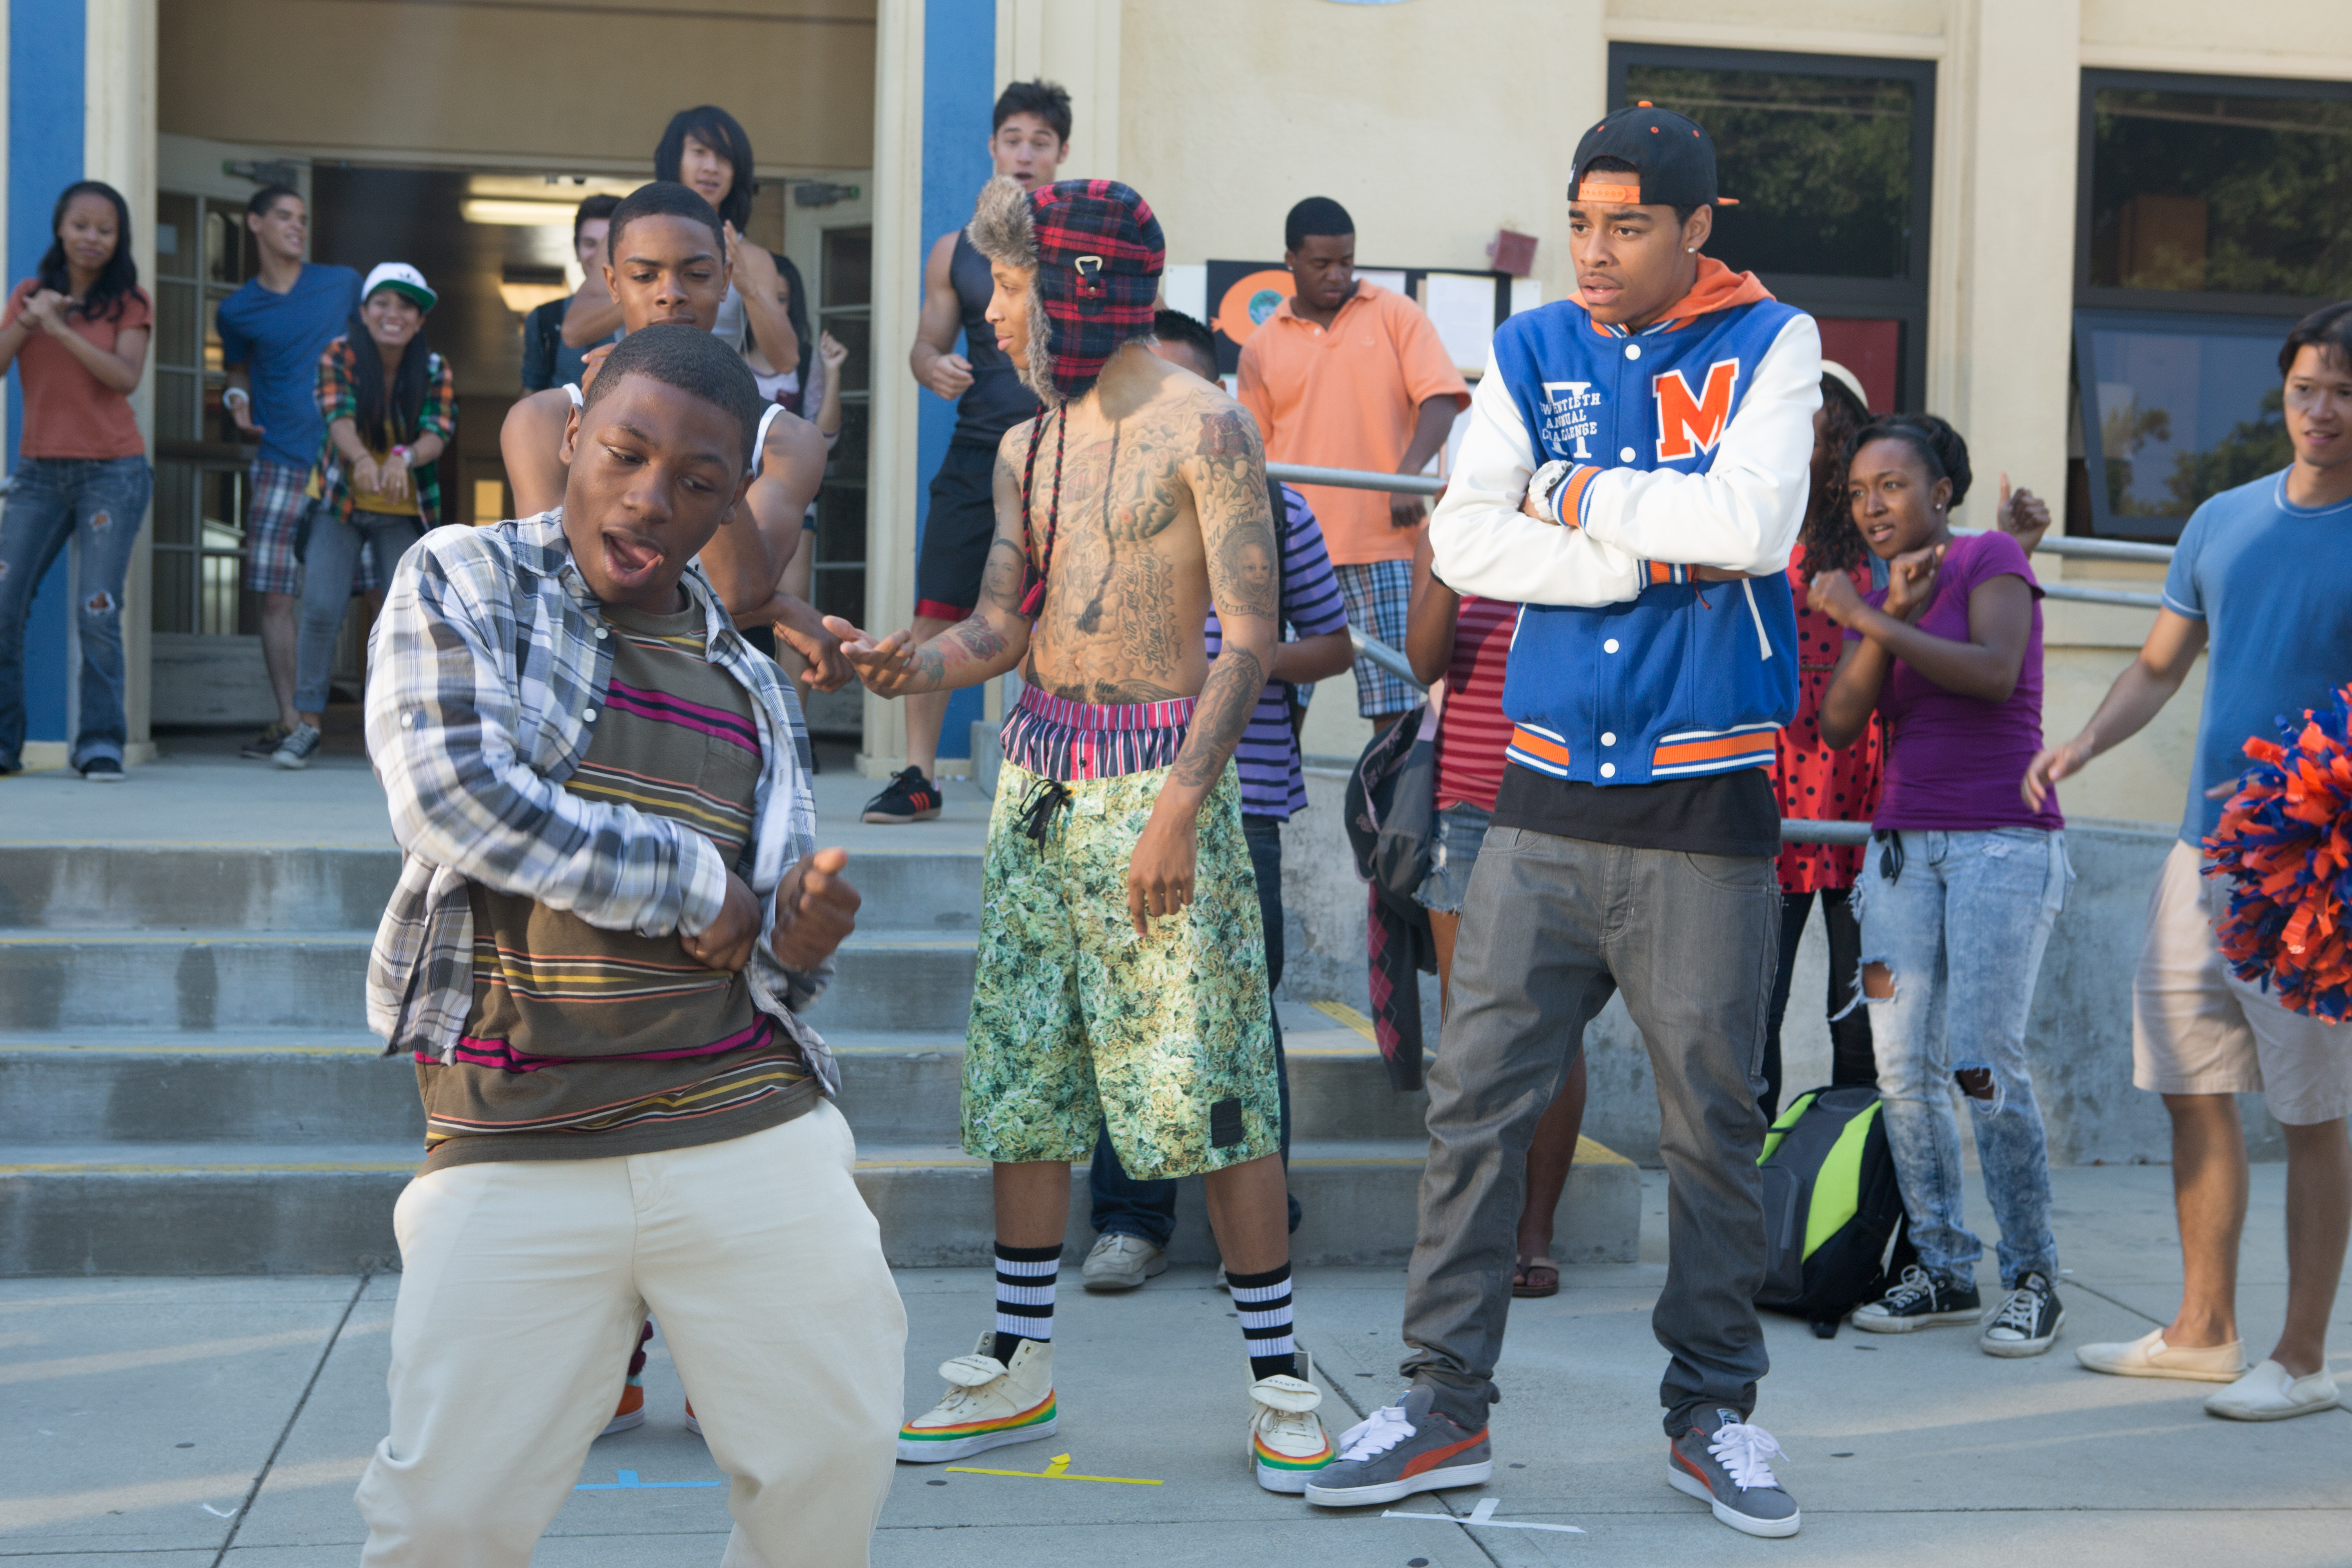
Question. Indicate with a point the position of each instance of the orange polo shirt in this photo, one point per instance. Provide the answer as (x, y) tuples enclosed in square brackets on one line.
[(1347, 398)]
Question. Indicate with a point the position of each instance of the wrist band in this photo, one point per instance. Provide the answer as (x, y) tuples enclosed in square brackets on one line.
[(236, 395), (401, 452)]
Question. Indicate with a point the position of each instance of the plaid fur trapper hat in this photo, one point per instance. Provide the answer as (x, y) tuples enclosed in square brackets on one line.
[(1097, 256)]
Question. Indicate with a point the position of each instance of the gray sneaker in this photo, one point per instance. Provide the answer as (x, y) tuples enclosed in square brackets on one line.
[(1400, 1449), (300, 744), (1730, 1469), (1121, 1262)]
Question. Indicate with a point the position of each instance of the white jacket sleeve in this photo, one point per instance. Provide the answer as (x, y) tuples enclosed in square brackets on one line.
[(1744, 512), (1484, 545)]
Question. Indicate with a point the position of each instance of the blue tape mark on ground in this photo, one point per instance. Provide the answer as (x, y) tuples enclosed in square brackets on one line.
[(627, 1481)]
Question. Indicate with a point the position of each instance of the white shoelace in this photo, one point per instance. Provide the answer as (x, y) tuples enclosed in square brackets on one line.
[(1744, 1451), (1915, 1286), (2022, 1312), (1376, 1434)]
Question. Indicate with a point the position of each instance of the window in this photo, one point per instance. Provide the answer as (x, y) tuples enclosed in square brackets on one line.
[(202, 253), (2215, 212), (1829, 161), (845, 309)]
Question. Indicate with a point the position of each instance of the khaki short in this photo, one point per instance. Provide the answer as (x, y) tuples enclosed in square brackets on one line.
[(2199, 1029)]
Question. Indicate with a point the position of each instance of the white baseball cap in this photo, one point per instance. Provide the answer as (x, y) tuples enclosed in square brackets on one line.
[(1830, 368), (401, 279)]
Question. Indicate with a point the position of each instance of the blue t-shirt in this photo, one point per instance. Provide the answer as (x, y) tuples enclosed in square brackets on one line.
[(2273, 583), (278, 338)]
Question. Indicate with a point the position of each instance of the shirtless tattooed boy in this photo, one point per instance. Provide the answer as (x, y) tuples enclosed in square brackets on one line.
[(1122, 969)]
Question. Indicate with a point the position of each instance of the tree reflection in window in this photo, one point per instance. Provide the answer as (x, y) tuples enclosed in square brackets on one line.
[(2218, 192), (1820, 165)]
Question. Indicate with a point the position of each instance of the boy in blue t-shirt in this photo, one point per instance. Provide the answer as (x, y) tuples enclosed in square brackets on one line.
[(272, 332), (2260, 580)]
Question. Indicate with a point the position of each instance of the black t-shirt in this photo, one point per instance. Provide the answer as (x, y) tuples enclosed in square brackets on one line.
[(1716, 814)]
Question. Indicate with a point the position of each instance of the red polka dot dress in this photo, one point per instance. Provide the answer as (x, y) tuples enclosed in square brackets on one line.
[(1812, 780)]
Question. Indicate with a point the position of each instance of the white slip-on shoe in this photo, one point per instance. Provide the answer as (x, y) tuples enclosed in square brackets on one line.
[(987, 1404), (1121, 1262), (2149, 1356), (2269, 1393), (1287, 1443)]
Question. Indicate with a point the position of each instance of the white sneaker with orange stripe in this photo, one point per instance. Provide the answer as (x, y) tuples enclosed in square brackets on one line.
[(987, 1404), (1287, 1443)]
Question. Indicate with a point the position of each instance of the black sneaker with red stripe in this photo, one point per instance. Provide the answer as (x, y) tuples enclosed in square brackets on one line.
[(1400, 1449), (911, 797)]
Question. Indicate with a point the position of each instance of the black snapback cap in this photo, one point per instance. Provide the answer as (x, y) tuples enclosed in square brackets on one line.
[(1672, 155)]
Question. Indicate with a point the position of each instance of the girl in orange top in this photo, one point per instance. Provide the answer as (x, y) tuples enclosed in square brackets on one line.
[(76, 332)]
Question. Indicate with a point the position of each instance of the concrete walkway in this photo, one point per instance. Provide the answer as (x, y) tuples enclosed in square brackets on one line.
[(138, 1418)]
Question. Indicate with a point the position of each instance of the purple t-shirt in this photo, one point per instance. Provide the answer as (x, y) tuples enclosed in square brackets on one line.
[(1955, 762)]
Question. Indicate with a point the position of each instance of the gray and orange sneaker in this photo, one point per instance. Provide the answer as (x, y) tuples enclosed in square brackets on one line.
[(1287, 1443), (1730, 1469), (987, 1405), (1400, 1449)]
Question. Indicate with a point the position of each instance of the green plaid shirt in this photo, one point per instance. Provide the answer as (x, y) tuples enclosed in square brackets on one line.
[(339, 398)]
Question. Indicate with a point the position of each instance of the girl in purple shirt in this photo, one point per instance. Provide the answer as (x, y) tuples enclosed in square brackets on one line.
[(1963, 881)]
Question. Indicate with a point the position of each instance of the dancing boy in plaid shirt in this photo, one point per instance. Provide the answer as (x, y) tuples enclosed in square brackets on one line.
[(609, 913)]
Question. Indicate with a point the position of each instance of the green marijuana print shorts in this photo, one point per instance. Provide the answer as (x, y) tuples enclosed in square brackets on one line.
[(1078, 1021)]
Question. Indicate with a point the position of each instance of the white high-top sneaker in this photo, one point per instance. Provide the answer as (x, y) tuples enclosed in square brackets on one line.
[(987, 1404), (1287, 1442)]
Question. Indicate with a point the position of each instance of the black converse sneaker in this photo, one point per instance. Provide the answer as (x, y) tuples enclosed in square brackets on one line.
[(1919, 1301), (2028, 1321), (911, 797)]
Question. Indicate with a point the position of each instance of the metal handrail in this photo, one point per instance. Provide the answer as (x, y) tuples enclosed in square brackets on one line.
[(2064, 545)]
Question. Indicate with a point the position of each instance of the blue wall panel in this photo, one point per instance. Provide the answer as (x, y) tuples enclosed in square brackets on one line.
[(958, 93), (46, 42)]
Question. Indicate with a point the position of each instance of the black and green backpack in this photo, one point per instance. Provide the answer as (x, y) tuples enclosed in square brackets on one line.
[(1831, 1209)]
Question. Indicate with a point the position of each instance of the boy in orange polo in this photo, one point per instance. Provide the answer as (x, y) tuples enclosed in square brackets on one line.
[(1346, 374)]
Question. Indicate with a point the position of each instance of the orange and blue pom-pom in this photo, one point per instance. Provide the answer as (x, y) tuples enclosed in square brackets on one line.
[(2285, 845)]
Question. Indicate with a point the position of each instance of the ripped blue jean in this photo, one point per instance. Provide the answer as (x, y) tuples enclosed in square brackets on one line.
[(1961, 930), (101, 501)]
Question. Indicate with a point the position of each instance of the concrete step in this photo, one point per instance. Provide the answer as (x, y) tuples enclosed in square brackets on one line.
[(185, 1209), (304, 1086), (309, 890), (203, 981)]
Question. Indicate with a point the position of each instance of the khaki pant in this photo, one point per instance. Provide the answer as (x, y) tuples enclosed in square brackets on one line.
[(523, 1285)]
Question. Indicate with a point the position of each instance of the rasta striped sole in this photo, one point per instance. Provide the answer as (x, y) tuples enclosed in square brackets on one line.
[(937, 1445), (1288, 1473)]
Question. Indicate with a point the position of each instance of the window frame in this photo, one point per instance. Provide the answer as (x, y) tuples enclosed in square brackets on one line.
[(1902, 299)]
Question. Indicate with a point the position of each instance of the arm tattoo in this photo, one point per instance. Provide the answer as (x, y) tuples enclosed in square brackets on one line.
[(1224, 712)]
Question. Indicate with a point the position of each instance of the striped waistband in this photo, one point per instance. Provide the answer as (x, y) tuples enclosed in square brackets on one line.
[(1055, 738), (1173, 714)]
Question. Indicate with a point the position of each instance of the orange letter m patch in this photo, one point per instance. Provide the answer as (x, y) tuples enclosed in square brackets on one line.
[(1687, 425)]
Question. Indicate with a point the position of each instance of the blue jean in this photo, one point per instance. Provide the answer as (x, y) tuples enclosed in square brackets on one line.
[(101, 501), (331, 562), (1962, 929), (1125, 1206)]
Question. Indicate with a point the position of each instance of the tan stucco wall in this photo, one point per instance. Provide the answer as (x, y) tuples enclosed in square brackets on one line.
[(584, 84)]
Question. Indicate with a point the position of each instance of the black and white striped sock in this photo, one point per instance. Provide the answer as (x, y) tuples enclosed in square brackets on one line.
[(1025, 1296), (1265, 1303)]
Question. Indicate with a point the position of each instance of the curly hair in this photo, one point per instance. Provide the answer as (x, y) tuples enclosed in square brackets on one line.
[(1940, 449), (1830, 541)]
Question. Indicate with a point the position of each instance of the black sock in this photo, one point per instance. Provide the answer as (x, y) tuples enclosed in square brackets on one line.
[(1265, 1303), (1025, 1296)]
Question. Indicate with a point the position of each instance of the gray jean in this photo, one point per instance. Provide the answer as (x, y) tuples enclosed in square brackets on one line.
[(331, 561), (1552, 928)]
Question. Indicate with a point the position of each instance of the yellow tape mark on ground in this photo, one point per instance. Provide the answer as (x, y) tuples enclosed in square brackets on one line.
[(1349, 1016), (1057, 1469)]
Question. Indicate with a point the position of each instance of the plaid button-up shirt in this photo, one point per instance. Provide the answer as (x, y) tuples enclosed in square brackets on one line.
[(339, 398), (487, 672)]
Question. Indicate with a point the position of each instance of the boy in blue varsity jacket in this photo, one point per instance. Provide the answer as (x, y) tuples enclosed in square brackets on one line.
[(1635, 473)]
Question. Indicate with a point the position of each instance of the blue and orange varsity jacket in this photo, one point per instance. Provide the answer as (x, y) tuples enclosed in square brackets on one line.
[(1691, 442)]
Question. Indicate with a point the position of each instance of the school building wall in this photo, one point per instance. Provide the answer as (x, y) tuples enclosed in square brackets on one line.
[(1438, 121)]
